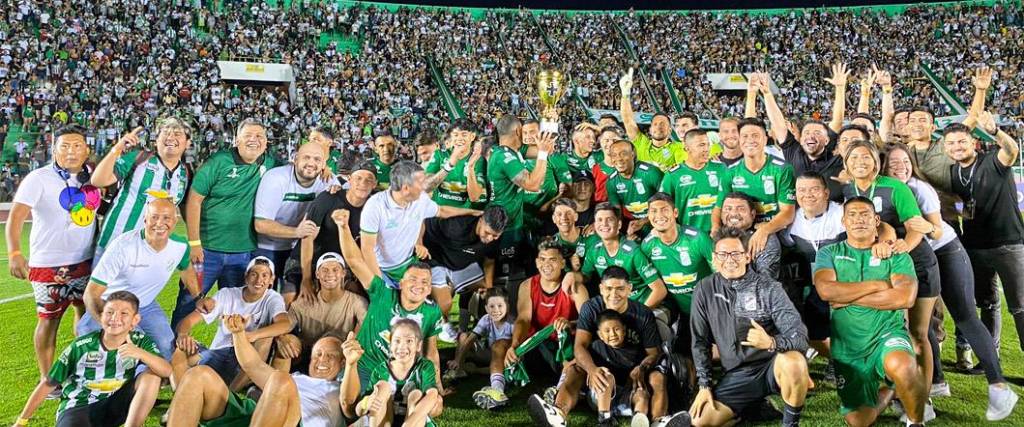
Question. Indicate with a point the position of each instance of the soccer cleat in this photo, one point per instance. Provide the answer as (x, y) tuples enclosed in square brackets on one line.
[(549, 395), (1000, 403), (544, 414), (639, 420), (940, 390), (490, 398), (449, 333)]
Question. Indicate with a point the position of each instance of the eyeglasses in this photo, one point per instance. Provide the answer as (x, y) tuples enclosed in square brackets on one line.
[(727, 255)]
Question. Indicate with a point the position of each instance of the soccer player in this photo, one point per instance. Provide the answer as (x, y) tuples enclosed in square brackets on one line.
[(631, 185), (658, 149), (695, 183)]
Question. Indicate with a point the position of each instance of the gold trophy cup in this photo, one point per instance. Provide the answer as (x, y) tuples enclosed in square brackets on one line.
[(551, 86)]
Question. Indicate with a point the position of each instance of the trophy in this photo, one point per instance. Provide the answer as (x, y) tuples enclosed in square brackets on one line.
[(551, 85)]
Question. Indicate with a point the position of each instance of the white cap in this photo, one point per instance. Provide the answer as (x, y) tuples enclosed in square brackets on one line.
[(263, 260), (328, 257)]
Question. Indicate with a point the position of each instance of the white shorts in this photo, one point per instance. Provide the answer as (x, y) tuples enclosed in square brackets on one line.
[(459, 280)]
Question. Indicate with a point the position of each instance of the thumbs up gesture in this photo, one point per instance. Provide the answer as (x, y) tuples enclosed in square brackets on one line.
[(351, 349), (758, 338)]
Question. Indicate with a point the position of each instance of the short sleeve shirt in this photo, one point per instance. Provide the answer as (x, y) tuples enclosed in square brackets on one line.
[(640, 325), (771, 186), (55, 239), (629, 257), (695, 192), (893, 200), (633, 193), (229, 186), (453, 191), (386, 308), (397, 228), (664, 157), (502, 167), (682, 263), (282, 199), (89, 373), (229, 301), (131, 264), (486, 328)]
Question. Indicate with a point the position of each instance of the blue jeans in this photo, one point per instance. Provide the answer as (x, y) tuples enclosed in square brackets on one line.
[(154, 325), (225, 269), (278, 258), (222, 361)]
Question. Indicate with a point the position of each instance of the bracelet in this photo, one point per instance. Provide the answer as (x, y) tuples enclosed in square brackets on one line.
[(21, 422), (884, 90), (13, 254), (195, 242), (542, 155)]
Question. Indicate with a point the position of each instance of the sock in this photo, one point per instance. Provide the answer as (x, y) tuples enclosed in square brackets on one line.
[(791, 415), (561, 379), (601, 416), (498, 382)]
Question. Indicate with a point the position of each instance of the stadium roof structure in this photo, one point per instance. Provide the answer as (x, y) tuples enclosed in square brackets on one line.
[(606, 5)]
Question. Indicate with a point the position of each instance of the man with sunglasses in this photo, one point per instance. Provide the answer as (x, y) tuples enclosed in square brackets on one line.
[(760, 337)]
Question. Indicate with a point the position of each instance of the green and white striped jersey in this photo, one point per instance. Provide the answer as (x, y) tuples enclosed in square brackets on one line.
[(90, 373), (125, 212)]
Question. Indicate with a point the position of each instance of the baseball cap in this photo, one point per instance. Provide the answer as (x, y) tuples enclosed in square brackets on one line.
[(582, 175), (328, 257), (261, 260)]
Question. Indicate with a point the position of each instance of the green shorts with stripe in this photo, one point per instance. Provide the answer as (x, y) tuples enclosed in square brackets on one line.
[(857, 380), (237, 413)]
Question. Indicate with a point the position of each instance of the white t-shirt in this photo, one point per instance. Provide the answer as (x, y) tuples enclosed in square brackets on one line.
[(928, 199), (55, 240), (281, 198), (229, 301), (397, 228), (129, 263), (318, 400)]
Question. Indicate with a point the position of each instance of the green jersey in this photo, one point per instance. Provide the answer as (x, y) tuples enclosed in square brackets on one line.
[(383, 173), (502, 167), (578, 164), (633, 193), (894, 201), (568, 249), (421, 377), (682, 263), (771, 186), (90, 373), (664, 157), (558, 165), (453, 191), (856, 330), (695, 192), (534, 200), (629, 257), (333, 159), (385, 308), (125, 212), (229, 186)]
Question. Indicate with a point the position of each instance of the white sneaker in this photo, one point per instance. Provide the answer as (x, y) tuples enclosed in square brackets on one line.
[(929, 413), (1000, 403), (448, 333), (940, 390), (679, 419), (544, 414), (639, 420)]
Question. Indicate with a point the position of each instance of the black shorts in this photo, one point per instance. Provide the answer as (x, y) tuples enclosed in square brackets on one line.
[(746, 386), (927, 268), (542, 360), (816, 315), (112, 411), (683, 342)]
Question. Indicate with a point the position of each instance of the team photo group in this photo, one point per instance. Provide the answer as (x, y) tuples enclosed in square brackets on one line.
[(616, 269)]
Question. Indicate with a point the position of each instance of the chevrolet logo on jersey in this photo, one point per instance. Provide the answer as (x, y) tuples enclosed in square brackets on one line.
[(454, 187), (764, 208), (677, 281), (702, 201), (637, 207)]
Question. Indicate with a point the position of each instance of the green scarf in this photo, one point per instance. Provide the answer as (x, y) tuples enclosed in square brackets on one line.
[(516, 374)]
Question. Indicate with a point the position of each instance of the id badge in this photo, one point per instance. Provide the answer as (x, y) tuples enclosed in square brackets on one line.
[(969, 207)]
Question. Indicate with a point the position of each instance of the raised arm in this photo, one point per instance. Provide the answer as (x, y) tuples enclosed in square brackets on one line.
[(474, 188), (533, 180), (354, 257), (104, 174), (866, 83), (350, 386), (838, 80), (982, 81), (750, 105), (435, 180), (780, 126), (1008, 147), (248, 358), (626, 106), (884, 79)]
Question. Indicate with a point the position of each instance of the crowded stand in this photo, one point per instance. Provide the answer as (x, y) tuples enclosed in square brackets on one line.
[(403, 223)]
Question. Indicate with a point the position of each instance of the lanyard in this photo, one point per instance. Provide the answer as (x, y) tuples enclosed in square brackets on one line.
[(871, 195), (969, 182)]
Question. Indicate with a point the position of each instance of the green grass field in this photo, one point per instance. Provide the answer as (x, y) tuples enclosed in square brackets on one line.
[(19, 376)]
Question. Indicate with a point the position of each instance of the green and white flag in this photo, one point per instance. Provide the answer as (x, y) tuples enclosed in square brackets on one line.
[(516, 374)]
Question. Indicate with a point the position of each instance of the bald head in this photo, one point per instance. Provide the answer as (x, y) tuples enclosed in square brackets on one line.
[(310, 160), (326, 359), (160, 219)]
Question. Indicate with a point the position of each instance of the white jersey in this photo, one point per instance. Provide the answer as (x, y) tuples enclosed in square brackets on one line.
[(229, 301), (130, 264), (397, 228), (318, 400), (55, 240), (282, 199)]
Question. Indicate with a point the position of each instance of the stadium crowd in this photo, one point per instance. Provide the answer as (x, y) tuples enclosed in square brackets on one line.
[(634, 264)]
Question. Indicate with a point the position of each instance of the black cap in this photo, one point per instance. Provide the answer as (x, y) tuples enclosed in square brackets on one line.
[(582, 175), (366, 165)]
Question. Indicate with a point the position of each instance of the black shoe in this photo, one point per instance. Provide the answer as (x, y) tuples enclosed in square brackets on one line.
[(763, 412)]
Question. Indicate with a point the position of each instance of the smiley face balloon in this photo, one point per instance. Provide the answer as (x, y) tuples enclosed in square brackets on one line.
[(82, 215)]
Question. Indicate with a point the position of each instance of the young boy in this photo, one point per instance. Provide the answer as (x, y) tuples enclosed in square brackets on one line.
[(624, 368), (497, 329), (263, 307), (407, 375), (109, 377)]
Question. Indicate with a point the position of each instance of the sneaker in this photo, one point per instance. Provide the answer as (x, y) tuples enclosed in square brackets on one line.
[(449, 333), (964, 358), (929, 413), (544, 414), (679, 419), (940, 390), (830, 372), (454, 374), (1000, 403), (490, 398), (810, 354), (549, 395), (639, 420)]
